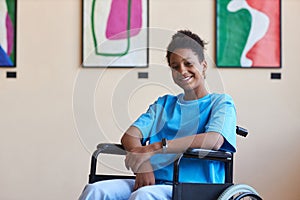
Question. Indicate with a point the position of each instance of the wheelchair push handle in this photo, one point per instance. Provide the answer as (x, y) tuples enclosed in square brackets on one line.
[(241, 131)]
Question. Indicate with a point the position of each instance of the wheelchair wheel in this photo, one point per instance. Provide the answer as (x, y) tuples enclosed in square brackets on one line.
[(239, 192)]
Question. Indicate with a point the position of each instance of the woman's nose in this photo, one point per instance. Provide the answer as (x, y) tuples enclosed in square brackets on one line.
[(182, 69)]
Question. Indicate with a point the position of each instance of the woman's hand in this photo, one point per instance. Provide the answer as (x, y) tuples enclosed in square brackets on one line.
[(137, 156), (146, 177)]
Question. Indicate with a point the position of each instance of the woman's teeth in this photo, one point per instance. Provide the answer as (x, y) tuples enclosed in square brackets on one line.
[(186, 78)]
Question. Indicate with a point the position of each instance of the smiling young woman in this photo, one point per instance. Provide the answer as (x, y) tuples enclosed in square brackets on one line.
[(172, 124)]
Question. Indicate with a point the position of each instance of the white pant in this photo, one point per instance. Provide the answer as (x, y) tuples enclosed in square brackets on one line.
[(123, 190)]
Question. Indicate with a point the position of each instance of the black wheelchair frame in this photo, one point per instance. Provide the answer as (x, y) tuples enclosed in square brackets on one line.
[(186, 191)]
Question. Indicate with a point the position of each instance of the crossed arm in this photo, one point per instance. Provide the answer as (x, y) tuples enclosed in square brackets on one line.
[(137, 158)]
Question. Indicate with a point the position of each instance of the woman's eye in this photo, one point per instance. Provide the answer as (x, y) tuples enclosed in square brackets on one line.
[(174, 67), (188, 64)]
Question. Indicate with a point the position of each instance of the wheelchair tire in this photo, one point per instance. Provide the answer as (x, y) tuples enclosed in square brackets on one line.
[(248, 195), (239, 191)]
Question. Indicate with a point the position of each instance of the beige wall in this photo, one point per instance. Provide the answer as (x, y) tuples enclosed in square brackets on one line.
[(44, 151)]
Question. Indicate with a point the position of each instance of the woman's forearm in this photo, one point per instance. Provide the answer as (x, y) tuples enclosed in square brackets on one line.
[(211, 140)]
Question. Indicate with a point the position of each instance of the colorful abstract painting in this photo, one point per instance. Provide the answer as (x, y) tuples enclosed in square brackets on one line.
[(248, 33), (115, 33), (7, 33)]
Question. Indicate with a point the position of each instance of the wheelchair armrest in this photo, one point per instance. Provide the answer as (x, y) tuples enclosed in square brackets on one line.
[(111, 148), (118, 149), (208, 154)]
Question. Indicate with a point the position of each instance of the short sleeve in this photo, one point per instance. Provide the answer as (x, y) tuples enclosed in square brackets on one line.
[(145, 122), (223, 120)]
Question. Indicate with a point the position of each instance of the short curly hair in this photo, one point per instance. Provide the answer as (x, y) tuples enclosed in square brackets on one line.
[(185, 39)]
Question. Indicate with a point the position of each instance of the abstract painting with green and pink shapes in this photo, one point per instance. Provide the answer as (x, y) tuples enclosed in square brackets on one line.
[(115, 33), (248, 33), (7, 33)]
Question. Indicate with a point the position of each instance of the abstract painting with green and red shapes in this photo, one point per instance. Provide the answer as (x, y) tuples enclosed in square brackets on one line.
[(7, 33), (248, 33)]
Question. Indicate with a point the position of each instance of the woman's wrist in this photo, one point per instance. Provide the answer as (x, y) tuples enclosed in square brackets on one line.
[(156, 147)]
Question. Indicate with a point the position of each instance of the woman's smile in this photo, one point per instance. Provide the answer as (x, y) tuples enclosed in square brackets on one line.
[(186, 79)]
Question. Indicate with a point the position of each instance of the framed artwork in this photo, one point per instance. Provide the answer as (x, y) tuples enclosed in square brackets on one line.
[(115, 33), (8, 12), (248, 33)]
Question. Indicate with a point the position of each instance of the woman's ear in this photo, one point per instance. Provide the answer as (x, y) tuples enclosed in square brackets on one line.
[(204, 64)]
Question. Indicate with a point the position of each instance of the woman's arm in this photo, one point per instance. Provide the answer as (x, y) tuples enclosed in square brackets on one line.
[(131, 138), (210, 140), (138, 154), (131, 141)]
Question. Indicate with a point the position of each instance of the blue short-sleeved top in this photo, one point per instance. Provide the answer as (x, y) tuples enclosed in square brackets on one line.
[(172, 117)]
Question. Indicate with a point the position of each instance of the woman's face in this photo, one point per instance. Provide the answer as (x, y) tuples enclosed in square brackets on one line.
[(187, 70)]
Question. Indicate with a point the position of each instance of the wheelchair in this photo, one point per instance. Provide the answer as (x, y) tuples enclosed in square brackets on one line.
[(187, 191)]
